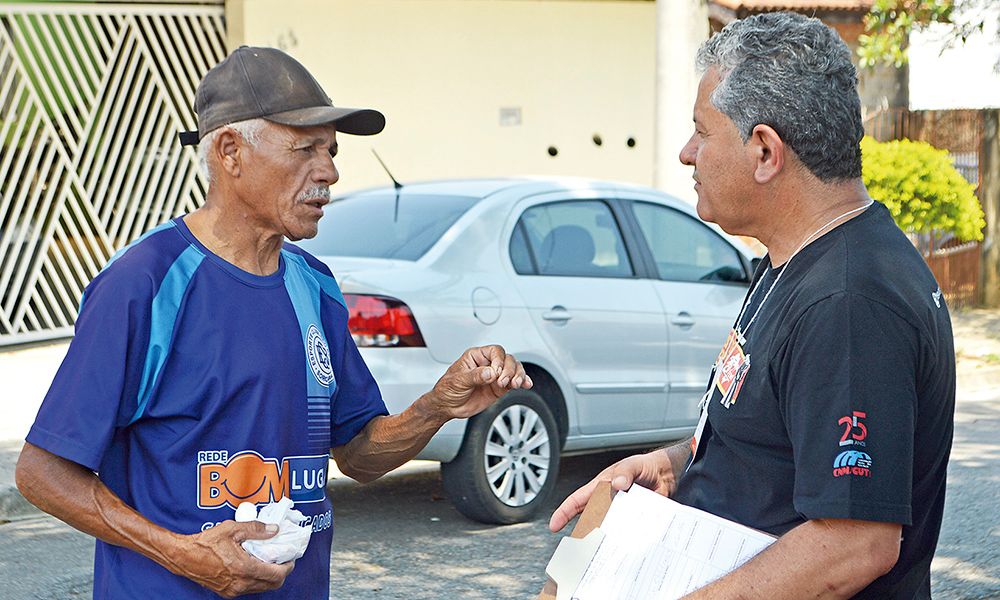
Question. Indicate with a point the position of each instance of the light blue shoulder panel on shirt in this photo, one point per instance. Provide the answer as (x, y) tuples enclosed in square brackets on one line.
[(327, 283), (156, 229), (119, 254), (304, 290), (163, 317)]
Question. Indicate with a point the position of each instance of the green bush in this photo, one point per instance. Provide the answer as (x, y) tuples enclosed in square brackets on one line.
[(921, 187)]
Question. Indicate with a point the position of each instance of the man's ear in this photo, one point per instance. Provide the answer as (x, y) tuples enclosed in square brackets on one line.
[(769, 152), (229, 151)]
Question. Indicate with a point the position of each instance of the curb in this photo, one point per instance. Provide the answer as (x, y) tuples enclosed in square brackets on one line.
[(13, 506)]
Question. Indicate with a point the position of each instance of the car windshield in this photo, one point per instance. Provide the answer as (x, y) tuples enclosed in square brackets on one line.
[(379, 226)]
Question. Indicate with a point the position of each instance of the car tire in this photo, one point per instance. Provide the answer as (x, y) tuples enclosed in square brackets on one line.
[(503, 476)]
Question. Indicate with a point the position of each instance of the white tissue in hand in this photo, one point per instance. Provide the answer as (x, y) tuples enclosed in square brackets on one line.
[(291, 540), (246, 512)]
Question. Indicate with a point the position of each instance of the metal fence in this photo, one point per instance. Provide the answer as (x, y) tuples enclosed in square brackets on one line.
[(92, 97), (960, 132), (957, 272)]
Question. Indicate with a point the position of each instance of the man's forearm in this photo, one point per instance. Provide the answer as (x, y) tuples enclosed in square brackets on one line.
[(678, 455), (807, 562), (388, 442), (472, 383), (75, 495)]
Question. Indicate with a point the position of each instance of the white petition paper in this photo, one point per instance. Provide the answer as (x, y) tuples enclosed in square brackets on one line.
[(655, 548)]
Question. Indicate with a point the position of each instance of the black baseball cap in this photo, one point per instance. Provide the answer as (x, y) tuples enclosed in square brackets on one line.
[(266, 83)]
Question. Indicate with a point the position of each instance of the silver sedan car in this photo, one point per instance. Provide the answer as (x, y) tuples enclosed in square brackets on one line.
[(615, 297)]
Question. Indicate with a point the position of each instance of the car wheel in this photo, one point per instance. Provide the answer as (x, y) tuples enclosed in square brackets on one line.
[(508, 463)]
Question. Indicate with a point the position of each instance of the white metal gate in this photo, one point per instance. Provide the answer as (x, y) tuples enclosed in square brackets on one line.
[(92, 97)]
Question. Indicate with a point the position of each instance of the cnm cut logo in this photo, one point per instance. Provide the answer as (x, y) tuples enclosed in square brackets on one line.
[(249, 477)]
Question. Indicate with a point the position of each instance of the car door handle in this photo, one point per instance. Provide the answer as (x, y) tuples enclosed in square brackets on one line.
[(559, 314), (683, 319)]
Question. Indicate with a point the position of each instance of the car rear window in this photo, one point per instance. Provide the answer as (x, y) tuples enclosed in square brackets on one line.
[(380, 226)]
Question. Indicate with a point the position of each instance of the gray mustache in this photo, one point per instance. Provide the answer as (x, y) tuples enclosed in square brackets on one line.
[(316, 192)]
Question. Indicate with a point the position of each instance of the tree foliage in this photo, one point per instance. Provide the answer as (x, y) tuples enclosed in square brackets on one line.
[(889, 22), (921, 187)]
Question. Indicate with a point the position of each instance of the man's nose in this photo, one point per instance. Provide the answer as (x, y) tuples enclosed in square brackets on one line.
[(689, 151), (327, 174)]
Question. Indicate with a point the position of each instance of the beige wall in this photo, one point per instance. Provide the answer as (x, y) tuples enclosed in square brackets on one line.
[(683, 27), (442, 70)]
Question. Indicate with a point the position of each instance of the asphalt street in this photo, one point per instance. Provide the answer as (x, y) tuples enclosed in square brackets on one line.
[(399, 538)]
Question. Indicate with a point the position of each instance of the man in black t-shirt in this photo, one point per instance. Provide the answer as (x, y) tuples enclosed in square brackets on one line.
[(829, 414)]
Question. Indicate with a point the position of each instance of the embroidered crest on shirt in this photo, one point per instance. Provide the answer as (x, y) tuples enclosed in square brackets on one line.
[(936, 296), (318, 355)]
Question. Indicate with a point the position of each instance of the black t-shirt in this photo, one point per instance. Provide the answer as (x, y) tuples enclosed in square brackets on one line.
[(846, 408)]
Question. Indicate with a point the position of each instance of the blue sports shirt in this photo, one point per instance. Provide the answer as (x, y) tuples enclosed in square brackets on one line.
[(192, 386)]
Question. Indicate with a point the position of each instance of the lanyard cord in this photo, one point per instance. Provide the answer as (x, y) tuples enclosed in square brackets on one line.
[(778, 278)]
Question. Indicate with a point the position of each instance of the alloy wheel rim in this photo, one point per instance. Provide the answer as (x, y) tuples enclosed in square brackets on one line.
[(517, 455)]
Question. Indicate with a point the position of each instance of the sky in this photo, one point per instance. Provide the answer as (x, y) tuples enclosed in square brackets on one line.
[(959, 77)]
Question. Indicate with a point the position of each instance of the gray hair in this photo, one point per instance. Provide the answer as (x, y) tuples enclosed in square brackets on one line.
[(794, 74), (249, 130)]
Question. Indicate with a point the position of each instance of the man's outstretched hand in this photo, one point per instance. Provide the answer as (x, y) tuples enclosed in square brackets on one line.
[(476, 380)]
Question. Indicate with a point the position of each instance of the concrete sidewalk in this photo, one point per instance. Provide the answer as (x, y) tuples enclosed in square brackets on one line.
[(25, 375), (977, 353)]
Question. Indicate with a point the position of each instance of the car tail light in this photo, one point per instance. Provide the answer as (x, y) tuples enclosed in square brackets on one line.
[(381, 322)]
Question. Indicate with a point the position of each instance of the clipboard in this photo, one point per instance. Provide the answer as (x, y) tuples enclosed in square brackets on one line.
[(574, 553), (734, 542)]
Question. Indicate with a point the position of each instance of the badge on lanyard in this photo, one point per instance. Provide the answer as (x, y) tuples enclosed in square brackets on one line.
[(733, 366), (728, 374)]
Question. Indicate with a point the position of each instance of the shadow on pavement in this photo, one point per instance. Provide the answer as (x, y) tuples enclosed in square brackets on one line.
[(442, 554), (967, 561)]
